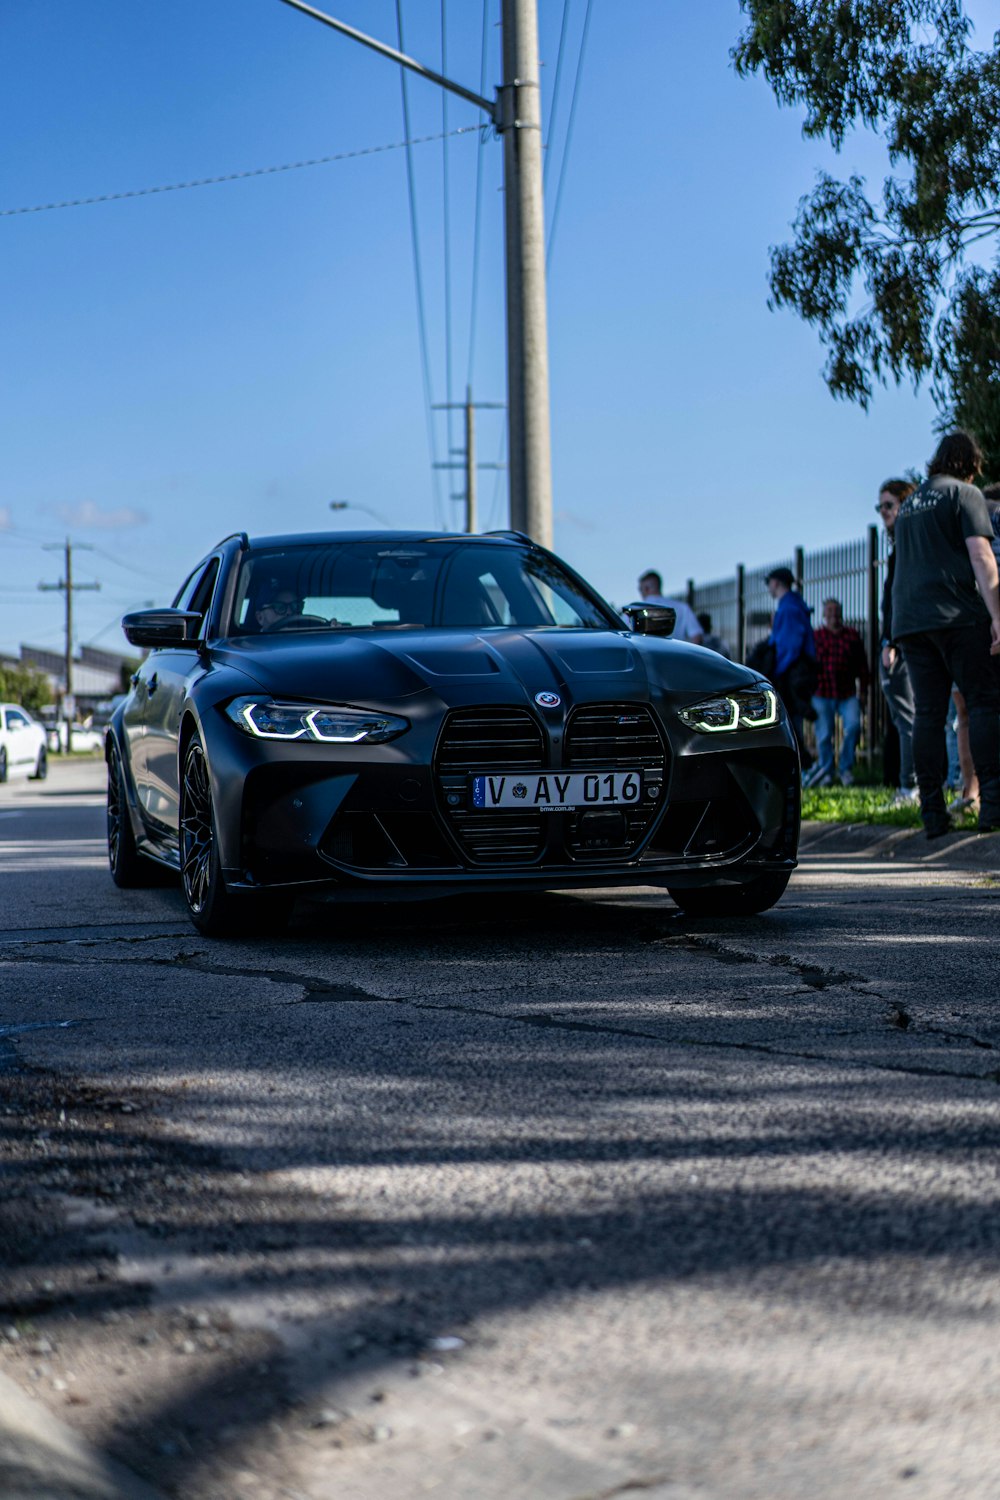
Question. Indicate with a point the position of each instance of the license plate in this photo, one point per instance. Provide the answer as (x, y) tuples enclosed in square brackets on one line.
[(557, 791)]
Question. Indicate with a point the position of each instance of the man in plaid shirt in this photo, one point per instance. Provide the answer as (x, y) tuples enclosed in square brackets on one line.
[(842, 683)]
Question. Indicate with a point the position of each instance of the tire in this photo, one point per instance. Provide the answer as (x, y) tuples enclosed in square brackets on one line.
[(3, 766), (215, 911), (746, 900), (129, 870), (42, 765)]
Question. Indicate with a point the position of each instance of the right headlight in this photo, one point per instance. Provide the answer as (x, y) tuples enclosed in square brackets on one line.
[(751, 708), (329, 723)]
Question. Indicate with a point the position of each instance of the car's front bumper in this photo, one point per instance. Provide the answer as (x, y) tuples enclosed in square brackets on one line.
[(395, 821)]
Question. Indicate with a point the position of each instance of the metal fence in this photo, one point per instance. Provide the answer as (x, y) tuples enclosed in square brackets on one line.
[(742, 609)]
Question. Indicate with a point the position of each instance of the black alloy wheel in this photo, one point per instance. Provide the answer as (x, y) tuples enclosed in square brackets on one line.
[(41, 766), (746, 900), (215, 911), (128, 868)]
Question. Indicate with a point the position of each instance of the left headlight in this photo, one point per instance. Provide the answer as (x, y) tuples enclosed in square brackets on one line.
[(330, 723), (753, 708)]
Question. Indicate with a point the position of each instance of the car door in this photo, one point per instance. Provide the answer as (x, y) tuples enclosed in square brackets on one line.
[(168, 678), (138, 702)]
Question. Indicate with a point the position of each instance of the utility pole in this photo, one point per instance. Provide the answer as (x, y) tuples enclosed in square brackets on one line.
[(516, 113), (468, 463), (529, 444), (68, 586)]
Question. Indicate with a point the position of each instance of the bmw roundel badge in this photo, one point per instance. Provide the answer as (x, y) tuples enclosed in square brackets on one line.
[(548, 700)]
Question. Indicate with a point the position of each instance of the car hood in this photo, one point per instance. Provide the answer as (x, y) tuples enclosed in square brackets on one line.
[(495, 666)]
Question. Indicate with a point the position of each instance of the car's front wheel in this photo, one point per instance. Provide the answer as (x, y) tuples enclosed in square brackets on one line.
[(746, 900), (41, 765), (215, 911)]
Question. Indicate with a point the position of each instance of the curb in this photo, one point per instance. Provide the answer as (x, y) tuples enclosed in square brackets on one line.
[(963, 849), (41, 1458)]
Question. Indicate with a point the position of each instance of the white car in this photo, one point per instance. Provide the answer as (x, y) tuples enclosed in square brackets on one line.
[(23, 751), (84, 737)]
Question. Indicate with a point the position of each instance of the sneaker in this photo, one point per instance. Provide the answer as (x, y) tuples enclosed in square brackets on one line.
[(846, 778), (907, 796)]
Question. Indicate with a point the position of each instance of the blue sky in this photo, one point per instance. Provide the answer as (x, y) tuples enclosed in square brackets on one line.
[(187, 364)]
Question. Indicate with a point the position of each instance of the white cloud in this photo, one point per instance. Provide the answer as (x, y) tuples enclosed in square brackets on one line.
[(5, 518), (89, 514)]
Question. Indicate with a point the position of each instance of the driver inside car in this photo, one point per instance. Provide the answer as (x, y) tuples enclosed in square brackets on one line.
[(275, 611)]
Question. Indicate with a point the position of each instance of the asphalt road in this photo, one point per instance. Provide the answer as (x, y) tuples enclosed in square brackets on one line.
[(696, 1208)]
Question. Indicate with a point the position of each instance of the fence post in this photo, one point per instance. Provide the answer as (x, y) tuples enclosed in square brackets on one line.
[(690, 593), (874, 637), (741, 612), (800, 568)]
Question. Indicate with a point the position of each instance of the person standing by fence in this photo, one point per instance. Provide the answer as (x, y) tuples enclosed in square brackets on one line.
[(710, 639), (946, 627), (893, 677), (794, 651), (840, 691), (686, 627)]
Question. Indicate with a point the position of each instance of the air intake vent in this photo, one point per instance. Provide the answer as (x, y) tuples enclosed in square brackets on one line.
[(490, 739), (606, 736), (476, 740), (609, 737)]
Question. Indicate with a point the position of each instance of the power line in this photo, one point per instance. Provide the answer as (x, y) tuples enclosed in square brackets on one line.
[(446, 201), (441, 511), (569, 130), (478, 208), (554, 111), (291, 166), (494, 514), (129, 567)]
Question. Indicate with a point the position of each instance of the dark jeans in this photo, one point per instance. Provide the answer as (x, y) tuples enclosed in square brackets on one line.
[(935, 660)]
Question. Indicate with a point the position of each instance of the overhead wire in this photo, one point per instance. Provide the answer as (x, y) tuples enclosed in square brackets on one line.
[(291, 166), (129, 567), (569, 131), (554, 110), (440, 510), (478, 210), (476, 259), (446, 202)]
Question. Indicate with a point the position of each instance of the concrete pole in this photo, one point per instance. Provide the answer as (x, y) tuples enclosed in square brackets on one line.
[(529, 443), (69, 707), (471, 521)]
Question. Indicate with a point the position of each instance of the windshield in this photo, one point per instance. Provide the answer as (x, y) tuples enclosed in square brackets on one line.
[(377, 585)]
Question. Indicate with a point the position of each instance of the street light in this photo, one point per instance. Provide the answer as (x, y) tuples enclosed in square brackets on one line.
[(353, 505)]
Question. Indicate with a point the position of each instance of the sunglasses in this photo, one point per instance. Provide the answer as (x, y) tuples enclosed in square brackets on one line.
[(885, 509), (284, 606)]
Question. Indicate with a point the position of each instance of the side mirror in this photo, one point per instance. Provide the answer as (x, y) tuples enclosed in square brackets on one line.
[(162, 627), (651, 619)]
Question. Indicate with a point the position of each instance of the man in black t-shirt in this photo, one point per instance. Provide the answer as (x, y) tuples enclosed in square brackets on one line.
[(948, 627)]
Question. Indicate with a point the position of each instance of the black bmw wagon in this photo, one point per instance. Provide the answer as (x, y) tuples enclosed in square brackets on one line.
[(395, 715)]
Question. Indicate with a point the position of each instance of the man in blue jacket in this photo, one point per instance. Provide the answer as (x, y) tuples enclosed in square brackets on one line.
[(795, 672)]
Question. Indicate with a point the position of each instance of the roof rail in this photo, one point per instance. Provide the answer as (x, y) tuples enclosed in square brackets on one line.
[(521, 536)]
